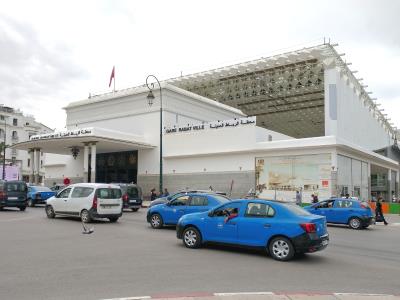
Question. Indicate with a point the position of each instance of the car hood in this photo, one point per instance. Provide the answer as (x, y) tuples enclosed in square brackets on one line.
[(195, 215)]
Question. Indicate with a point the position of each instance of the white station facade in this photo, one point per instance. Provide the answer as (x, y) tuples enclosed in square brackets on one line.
[(298, 121)]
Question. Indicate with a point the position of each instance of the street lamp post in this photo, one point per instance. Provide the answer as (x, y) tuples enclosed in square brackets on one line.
[(4, 149), (150, 98)]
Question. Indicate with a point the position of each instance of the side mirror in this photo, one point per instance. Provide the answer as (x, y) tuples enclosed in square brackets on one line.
[(168, 203), (211, 213)]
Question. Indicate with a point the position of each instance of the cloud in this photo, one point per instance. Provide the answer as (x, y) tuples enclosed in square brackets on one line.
[(31, 72)]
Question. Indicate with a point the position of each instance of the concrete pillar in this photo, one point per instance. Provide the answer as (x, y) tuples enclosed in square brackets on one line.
[(93, 163), (37, 163), (334, 174), (31, 166), (369, 180), (85, 162), (389, 185)]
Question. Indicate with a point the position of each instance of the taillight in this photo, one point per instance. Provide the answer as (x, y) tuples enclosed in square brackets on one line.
[(125, 198), (309, 227), (364, 206), (94, 203), (3, 194)]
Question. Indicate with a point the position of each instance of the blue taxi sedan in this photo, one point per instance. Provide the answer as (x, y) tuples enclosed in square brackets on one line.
[(348, 211), (282, 229), (170, 212)]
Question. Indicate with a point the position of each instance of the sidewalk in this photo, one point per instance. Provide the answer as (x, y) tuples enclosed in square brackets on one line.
[(266, 296)]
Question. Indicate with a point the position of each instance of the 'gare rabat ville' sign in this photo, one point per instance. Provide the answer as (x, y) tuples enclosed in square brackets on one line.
[(62, 134), (212, 125)]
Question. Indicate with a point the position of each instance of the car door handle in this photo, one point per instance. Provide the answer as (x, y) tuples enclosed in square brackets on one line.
[(267, 225)]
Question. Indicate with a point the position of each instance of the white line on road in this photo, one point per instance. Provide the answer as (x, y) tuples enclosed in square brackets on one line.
[(131, 298), (244, 293)]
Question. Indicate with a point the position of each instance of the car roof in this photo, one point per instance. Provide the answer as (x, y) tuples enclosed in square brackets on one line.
[(94, 185)]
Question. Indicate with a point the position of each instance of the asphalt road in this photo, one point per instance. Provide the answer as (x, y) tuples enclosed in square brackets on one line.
[(44, 258)]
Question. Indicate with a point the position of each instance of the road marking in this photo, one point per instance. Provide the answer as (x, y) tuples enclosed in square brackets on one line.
[(130, 298), (244, 293)]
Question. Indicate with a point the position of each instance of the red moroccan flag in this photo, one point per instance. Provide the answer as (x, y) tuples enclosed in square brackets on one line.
[(112, 76)]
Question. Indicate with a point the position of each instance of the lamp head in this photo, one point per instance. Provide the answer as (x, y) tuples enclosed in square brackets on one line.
[(150, 98)]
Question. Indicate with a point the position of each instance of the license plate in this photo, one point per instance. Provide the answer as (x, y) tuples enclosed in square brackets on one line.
[(132, 201), (12, 198), (324, 242), (107, 206)]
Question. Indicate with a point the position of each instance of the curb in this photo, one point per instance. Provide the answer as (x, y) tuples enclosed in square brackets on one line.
[(249, 294)]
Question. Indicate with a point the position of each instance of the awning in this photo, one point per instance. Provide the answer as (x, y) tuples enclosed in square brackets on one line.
[(106, 141)]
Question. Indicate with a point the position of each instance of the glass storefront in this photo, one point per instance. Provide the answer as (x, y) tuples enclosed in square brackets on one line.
[(280, 177), (352, 177), (116, 167)]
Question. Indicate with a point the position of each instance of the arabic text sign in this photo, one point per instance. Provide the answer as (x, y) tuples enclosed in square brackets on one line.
[(62, 134), (11, 172), (212, 125)]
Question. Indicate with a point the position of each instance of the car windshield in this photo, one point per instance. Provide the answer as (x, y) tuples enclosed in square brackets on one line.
[(222, 199), (41, 188), (132, 191), (16, 187), (293, 208)]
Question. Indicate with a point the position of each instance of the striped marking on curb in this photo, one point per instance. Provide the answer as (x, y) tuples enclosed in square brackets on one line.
[(200, 295)]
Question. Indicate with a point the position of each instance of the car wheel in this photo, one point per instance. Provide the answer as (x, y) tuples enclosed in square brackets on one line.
[(135, 209), (156, 221), (85, 216), (280, 248), (355, 223), (31, 203), (191, 238), (22, 208), (50, 212), (114, 219)]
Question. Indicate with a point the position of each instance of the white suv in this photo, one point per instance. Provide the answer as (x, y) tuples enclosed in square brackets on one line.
[(87, 201)]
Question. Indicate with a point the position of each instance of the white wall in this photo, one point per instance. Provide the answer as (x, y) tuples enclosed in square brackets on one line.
[(354, 123)]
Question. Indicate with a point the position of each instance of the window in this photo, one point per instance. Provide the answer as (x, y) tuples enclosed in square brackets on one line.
[(259, 210), (344, 203), (41, 163), (15, 122), (2, 118), (29, 162), (108, 193), (180, 201), (64, 193), (16, 187), (325, 204), (81, 192), (14, 134), (226, 210), (298, 211), (199, 201)]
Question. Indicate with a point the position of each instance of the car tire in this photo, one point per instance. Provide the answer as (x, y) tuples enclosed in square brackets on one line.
[(355, 223), (113, 219), (135, 209), (156, 221), (22, 208), (281, 248), (50, 212), (85, 216), (191, 238), (31, 203)]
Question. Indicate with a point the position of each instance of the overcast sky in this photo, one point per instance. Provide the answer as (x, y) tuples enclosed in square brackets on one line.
[(55, 52)]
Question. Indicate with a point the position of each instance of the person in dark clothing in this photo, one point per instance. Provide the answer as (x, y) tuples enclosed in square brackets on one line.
[(153, 194), (379, 213)]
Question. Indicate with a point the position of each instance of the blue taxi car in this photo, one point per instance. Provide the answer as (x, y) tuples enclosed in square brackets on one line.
[(283, 229), (348, 211), (170, 212), (38, 195)]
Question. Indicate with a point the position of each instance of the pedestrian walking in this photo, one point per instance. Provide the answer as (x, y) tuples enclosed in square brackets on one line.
[(166, 193), (298, 198), (153, 194), (314, 198), (379, 217)]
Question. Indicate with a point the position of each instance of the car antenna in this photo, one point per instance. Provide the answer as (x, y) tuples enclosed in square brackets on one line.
[(87, 230)]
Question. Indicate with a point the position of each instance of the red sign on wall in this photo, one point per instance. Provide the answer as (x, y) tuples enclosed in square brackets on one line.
[(325, 183)]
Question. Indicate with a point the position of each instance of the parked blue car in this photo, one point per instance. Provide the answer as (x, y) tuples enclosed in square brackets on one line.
[(282, 229), (38, 195), (352, 212), (170, 212)]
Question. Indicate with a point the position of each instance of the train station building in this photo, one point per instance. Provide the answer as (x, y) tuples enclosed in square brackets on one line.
[(296, 121)]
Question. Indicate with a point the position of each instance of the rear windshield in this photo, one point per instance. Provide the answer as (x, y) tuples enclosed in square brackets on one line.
[(15, 187), (221, 199), (293, 208), (42, 189), (132, 192), (108, 193)]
